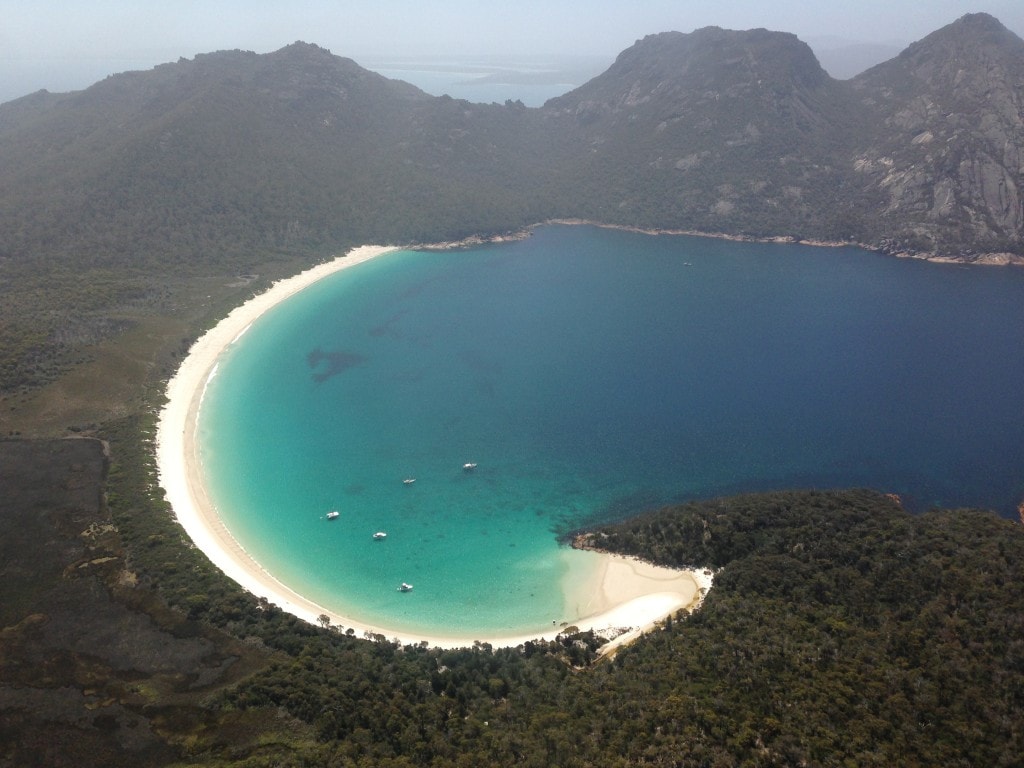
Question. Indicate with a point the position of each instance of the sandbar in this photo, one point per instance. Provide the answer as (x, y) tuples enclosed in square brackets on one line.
[(619, 597)]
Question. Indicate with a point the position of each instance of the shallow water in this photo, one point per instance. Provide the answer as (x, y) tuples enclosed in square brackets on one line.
[(591, 374)]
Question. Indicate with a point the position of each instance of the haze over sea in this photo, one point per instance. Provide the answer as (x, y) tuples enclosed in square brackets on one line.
[(487, 79), (592, 374)]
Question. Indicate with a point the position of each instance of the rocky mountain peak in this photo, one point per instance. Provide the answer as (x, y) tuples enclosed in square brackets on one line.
[(301, 48), (973, 45), (708, 63), (949, 159)]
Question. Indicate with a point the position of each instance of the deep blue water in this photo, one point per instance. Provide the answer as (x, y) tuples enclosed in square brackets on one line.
[(592, 374)]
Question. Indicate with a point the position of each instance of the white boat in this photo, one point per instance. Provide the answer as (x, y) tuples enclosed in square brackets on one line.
[(468, 466), (409, 480), (405, 587), (333, 514), (380, 535)]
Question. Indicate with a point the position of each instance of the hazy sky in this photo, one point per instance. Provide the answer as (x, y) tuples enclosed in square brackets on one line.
[(65, 45)]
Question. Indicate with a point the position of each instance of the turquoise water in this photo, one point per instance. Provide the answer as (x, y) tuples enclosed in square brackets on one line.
[(592, 374)]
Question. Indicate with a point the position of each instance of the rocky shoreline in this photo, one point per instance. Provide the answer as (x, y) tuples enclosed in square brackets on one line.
[(888, 248)]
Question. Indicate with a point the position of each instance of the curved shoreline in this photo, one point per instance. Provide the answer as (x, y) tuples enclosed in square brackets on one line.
[(987, 258), (625, 597)]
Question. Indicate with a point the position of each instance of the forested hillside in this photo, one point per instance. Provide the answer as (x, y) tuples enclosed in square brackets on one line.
[(115, 198), (717, 131), (235, 163)]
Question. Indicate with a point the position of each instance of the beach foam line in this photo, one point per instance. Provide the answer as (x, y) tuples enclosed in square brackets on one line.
[(624, 592)]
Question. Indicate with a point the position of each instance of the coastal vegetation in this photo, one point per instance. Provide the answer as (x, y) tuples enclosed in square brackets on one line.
[(841, 630)]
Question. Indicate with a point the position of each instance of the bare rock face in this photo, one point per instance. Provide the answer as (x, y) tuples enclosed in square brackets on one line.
[(715, 130), (745, 133), (944, 162)]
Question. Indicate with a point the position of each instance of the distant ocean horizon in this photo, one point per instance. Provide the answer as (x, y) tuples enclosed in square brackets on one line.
[(491, 79), (477, 78), (590, 375)]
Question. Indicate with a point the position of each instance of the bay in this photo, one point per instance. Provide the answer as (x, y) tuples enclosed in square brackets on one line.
[(591, 374)]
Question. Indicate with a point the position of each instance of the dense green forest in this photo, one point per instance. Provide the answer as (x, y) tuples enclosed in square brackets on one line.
[(841, 630)]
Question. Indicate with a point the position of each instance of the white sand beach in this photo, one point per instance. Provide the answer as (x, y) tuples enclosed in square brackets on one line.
[(625, 597)]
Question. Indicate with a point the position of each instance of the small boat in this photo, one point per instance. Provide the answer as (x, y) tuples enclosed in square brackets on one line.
[(409, 480), (405, 587), (333, 514), (380, 535), (469, 466)]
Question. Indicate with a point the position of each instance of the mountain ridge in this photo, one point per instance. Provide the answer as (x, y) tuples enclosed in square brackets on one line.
[(727, 132), (232, 160), (779, 143), (949, 169), (737, 132)]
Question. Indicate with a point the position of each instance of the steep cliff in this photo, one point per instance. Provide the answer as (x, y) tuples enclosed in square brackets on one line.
[(944, 162)]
